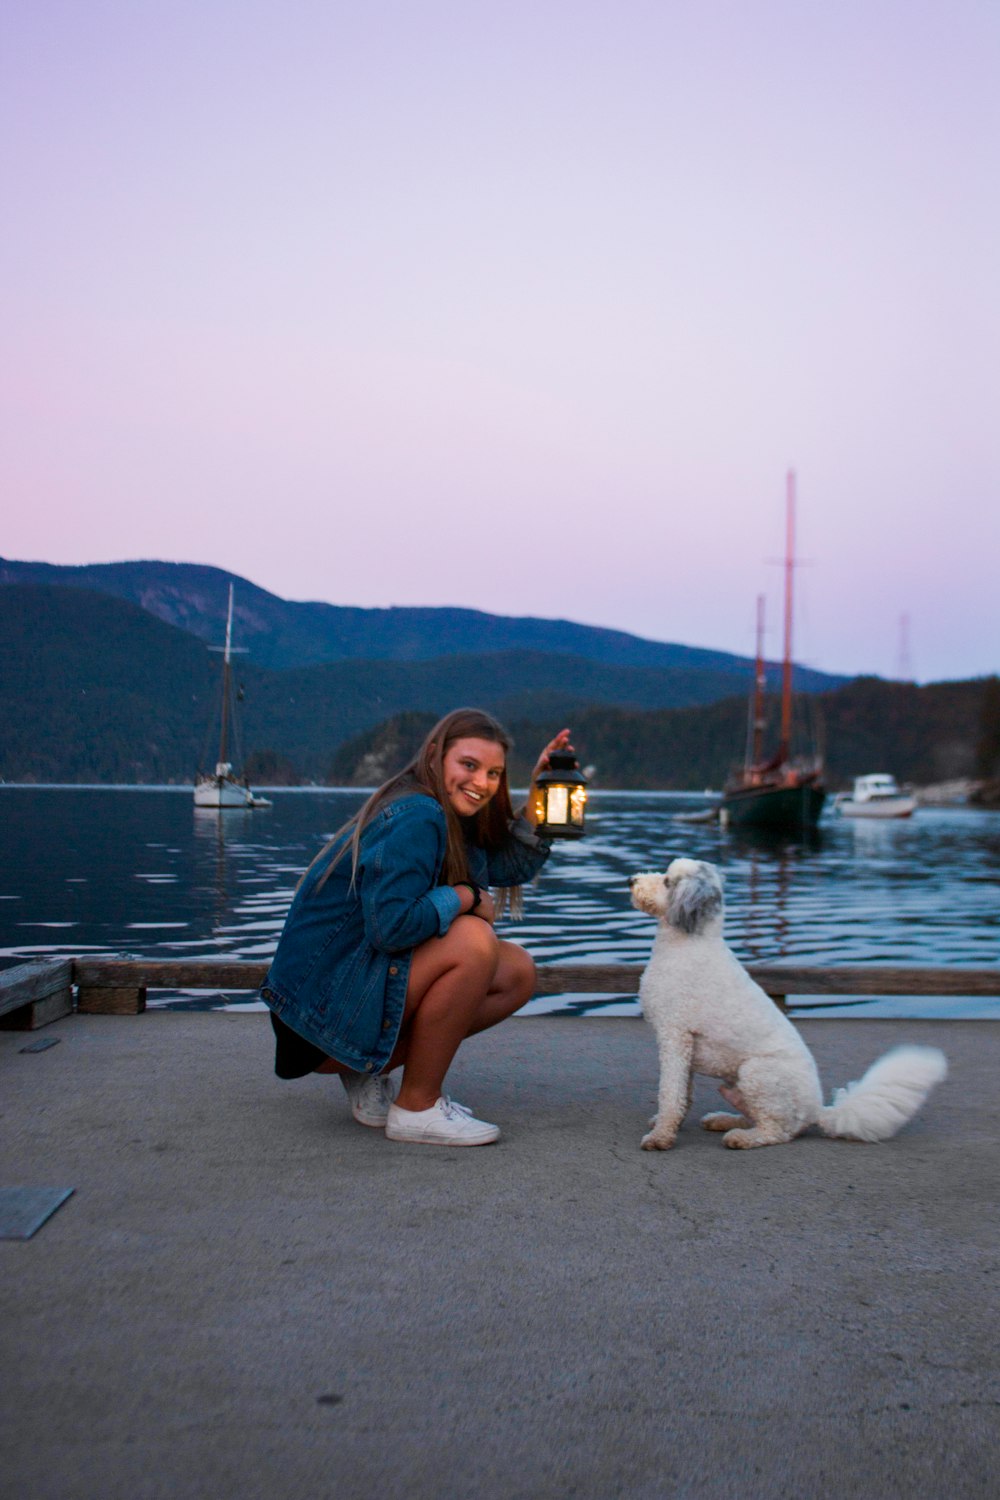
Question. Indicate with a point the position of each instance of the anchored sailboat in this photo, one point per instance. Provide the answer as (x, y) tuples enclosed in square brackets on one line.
[(222, 788), (784, 792)]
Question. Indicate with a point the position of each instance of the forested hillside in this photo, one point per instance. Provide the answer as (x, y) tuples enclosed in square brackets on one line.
[(920, 734), (94, 688)]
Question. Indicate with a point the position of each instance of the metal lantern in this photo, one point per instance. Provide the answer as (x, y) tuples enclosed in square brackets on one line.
[(560, 797)]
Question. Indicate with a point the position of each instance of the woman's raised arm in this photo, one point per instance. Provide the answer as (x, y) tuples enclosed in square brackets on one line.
[(560, 742)]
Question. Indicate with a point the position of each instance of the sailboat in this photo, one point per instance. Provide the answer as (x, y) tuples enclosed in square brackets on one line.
[(221, 788), (783, 792)]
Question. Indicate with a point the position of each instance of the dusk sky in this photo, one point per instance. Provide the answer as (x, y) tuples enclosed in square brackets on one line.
[(526, 307)]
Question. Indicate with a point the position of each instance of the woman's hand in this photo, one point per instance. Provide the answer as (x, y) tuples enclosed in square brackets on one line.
[(561, 742), (484, 909)]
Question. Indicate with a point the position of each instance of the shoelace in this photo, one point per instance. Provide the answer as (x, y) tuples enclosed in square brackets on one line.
[(452, 1108), (382, 1087)]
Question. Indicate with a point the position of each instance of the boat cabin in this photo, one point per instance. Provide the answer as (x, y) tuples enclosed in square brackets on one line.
[(870, 788)]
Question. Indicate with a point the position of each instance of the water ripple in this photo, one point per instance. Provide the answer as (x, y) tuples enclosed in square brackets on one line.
[(925, 891)]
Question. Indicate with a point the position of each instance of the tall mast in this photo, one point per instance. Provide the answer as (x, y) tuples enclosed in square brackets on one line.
[(786, 671), (755, 743), (226, 669), (760, 686)]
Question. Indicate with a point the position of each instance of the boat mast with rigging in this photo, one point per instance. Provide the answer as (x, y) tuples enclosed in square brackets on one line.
[(222, 789), (783, 793)]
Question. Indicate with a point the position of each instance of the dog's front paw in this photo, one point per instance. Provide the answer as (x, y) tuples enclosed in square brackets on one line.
[(655, 1140)]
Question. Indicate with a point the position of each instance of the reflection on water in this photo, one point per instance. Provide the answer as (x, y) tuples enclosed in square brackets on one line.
[(141, 872)]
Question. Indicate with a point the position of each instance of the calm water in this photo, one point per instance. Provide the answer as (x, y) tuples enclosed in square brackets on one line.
[(140, 872)]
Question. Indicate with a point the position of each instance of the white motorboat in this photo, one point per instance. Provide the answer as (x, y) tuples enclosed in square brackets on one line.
[(875, 796), (222, 788)]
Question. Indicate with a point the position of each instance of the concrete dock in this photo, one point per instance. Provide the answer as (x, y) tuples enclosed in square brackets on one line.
[(248, 1295)]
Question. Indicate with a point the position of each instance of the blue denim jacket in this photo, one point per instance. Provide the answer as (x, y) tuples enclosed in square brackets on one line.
[(342, 964)]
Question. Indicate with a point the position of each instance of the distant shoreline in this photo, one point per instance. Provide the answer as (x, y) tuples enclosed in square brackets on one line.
[(955, 794), (188, 787)]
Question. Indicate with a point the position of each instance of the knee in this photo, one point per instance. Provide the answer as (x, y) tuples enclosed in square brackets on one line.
[(519, 971), (525, 969), (474, 942)]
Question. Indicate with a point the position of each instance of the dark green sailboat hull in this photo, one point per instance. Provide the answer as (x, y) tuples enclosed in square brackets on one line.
[(783, 808)]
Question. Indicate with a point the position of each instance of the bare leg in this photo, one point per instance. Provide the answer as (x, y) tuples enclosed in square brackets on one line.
[(511, 986), (459, 984)]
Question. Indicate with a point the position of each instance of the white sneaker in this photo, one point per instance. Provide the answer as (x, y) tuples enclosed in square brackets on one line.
[(444, 1124), (370, 1094)]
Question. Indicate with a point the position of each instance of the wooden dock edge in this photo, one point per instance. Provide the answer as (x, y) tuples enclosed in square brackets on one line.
[(33, 994)]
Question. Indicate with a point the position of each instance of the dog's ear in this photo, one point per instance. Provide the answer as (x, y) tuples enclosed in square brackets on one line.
[(695, 899)]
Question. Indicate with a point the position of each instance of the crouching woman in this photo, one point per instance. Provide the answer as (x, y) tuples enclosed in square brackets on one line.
[(389, 956)]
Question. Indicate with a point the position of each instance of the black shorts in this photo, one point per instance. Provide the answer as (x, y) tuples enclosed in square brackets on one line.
[(294, 1057)]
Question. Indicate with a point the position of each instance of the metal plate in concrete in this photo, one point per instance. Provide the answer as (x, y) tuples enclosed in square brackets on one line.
[(23, 1210)]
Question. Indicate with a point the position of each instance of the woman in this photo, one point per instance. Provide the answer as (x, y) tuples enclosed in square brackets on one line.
[(388, 955)]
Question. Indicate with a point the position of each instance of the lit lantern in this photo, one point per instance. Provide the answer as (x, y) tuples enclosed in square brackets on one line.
[(560, 797)]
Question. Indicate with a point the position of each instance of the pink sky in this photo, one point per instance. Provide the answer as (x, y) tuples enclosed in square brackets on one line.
[(523, 307)]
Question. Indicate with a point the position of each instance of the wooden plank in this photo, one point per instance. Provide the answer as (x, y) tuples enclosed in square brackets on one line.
[(169, 974), (588, 979), (116, 1001), (875, 979), (33, 981), (777, 979), (39, 1012), (781, 979)]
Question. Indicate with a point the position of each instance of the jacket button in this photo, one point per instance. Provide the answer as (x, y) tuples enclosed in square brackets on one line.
[(386, 1025), (393, 969)]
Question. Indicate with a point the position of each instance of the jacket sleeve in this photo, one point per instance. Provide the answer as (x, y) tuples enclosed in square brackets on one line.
[(401, 857), (520, 858)]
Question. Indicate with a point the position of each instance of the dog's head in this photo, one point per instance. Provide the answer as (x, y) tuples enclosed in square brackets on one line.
[(687, 897)]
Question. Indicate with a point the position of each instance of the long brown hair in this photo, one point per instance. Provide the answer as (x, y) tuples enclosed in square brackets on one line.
[(425, 773)]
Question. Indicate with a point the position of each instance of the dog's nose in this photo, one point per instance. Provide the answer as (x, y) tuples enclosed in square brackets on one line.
[(632, 879)]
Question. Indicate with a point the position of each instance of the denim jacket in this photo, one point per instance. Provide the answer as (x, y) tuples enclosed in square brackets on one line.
[(342, 964)]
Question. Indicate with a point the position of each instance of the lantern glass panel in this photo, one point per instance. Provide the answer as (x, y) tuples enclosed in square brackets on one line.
[(557, 810)]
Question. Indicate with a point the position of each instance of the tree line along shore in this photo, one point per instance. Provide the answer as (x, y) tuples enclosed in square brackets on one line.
[(96, 689)]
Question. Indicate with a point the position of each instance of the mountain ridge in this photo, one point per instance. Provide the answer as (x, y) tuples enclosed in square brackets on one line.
[(68, 648), (94, 688), (286, 635)]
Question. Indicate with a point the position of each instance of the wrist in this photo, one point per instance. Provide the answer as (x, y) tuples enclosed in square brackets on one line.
[(477, 895)]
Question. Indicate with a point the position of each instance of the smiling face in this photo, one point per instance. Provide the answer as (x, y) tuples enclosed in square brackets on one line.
[(472, 770)]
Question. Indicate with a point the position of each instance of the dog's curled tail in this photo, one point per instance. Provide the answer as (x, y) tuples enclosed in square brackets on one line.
[(888, 1095)]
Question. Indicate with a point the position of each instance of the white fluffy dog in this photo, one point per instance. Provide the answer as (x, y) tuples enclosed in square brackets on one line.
[(710, 1017)]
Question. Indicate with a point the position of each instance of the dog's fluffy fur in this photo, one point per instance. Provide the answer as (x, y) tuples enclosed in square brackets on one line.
[(710, 1017)]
